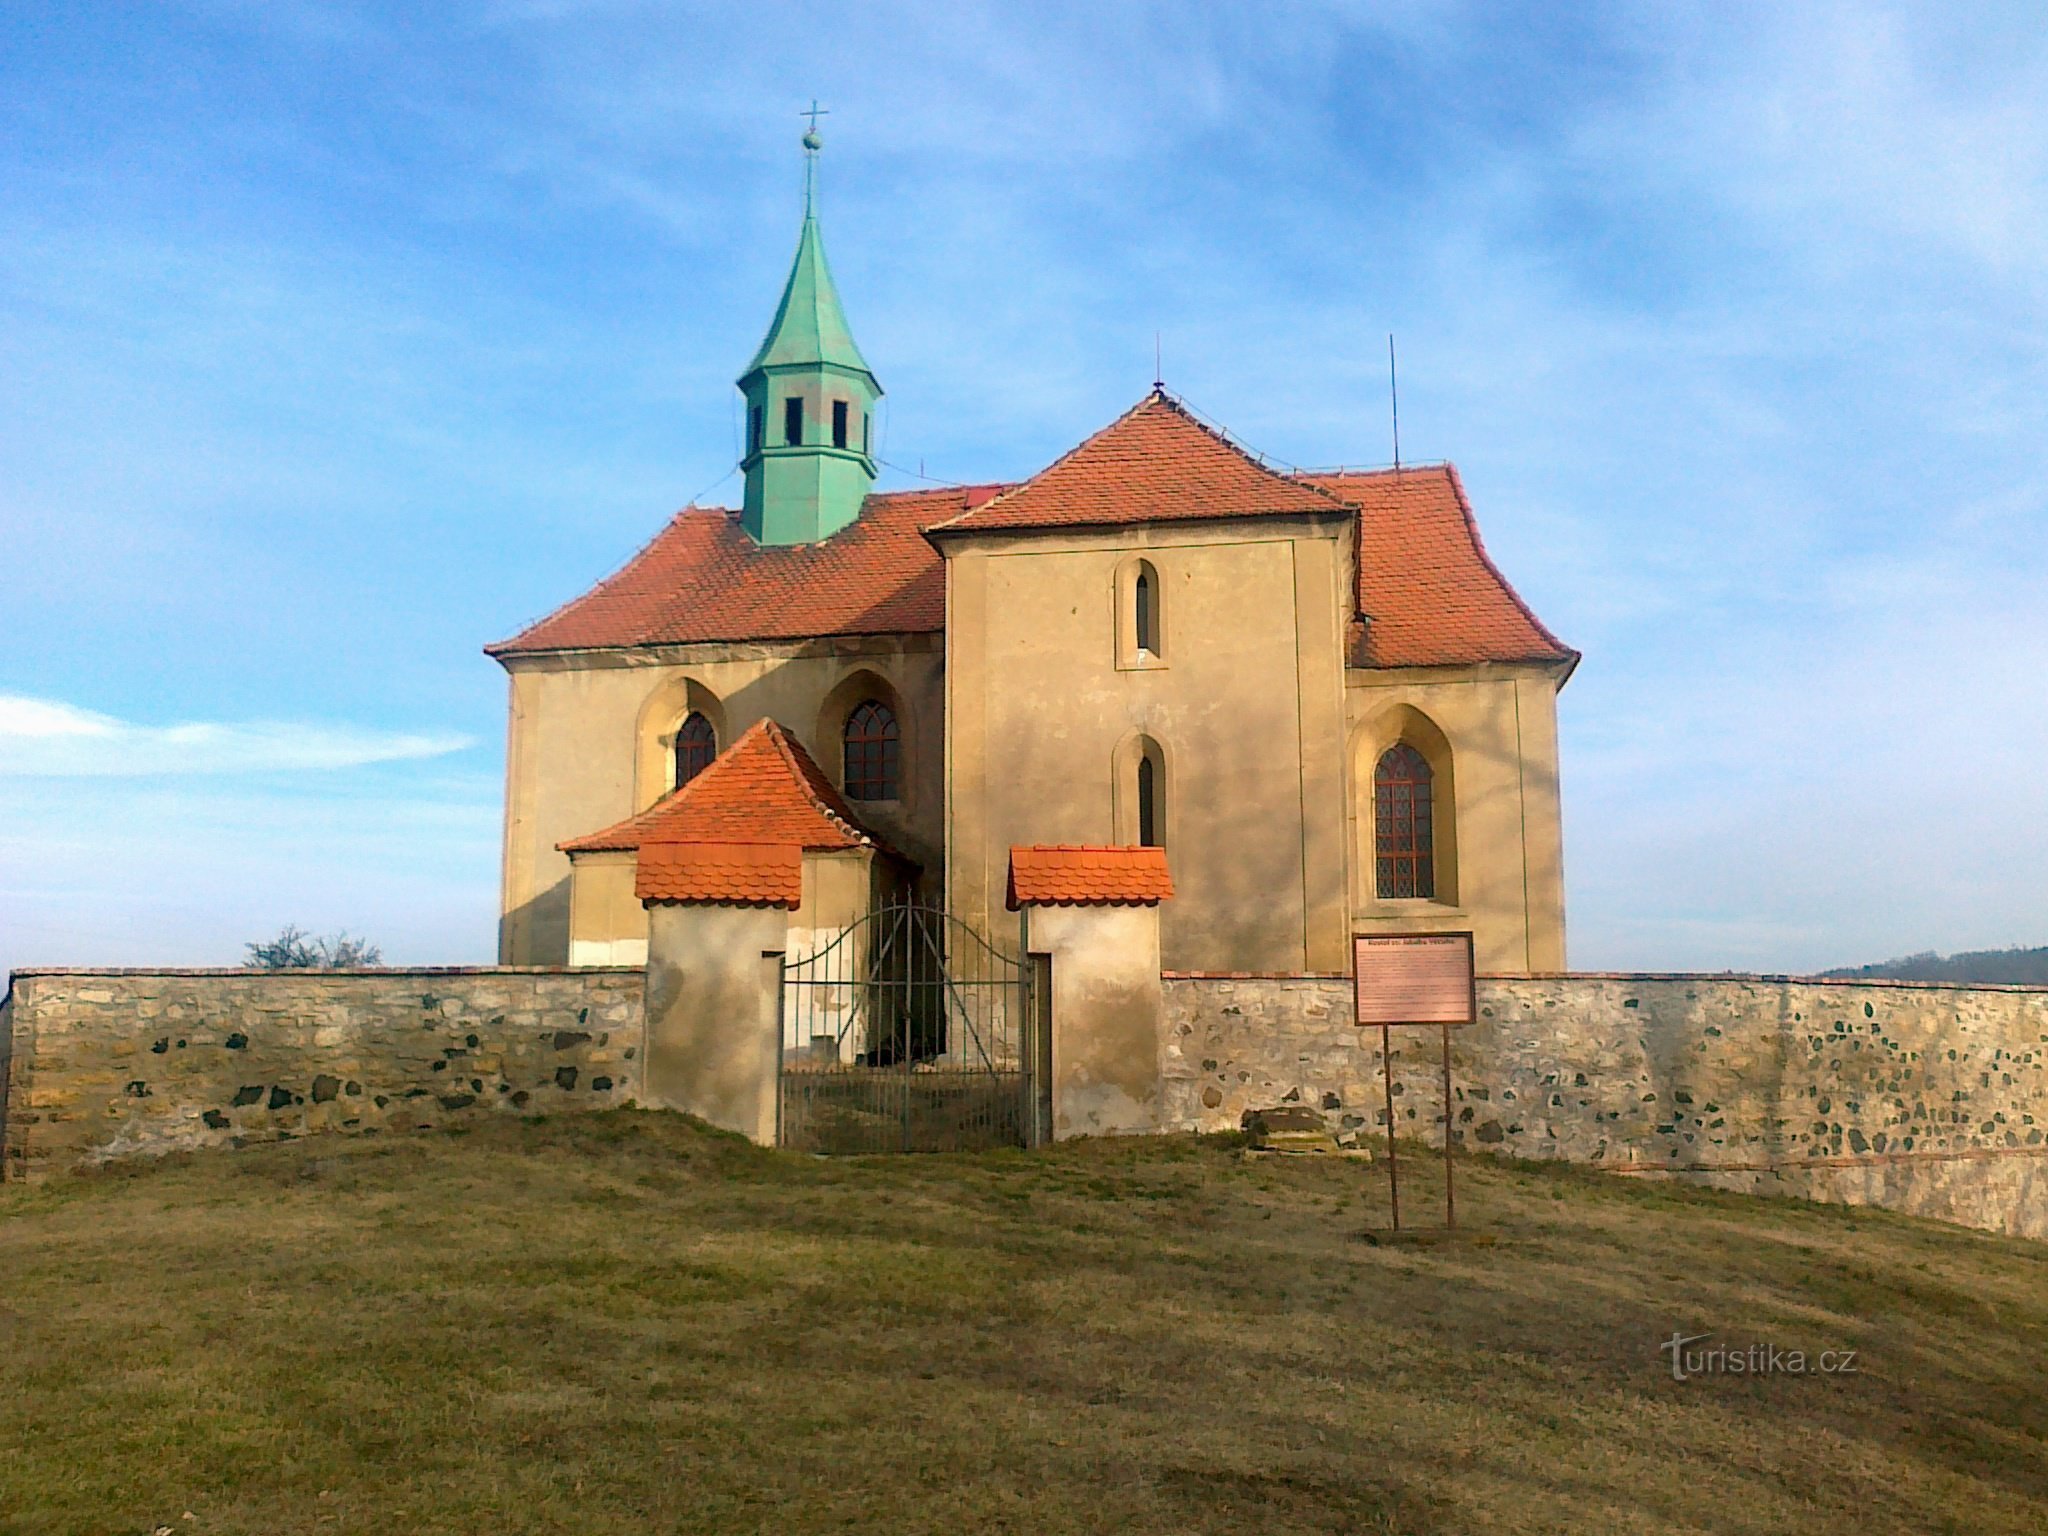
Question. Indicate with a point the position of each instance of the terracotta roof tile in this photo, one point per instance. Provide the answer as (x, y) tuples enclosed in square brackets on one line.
[(1429, 593), (1068, 875), (730, 874), (1154, 464), (763, 789), (703, 578)]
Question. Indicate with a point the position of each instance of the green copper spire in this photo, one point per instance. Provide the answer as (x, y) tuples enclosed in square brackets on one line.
[(810, 401)]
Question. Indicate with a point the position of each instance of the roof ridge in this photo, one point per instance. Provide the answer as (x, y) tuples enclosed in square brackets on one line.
[(1001, 496), (1367, 471), (666, 819), (1158, 397), (808, 773), (1250, 455), (1479, 548)]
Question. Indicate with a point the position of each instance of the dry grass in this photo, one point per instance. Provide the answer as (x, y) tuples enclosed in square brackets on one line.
[(623, 1323)]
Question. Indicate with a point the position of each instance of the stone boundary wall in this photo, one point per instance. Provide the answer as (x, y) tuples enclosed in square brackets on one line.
[(1929, 1099), (114, 1063)]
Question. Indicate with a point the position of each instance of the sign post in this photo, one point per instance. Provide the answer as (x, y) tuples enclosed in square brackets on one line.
[(1417, 978)]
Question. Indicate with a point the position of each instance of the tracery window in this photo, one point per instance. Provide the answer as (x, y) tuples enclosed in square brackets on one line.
[(696, 746), (1404, 845), (872, 753)]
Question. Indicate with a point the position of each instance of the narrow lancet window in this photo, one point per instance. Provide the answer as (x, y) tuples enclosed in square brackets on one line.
[(838, 423), (1148, 803), (793, 421), (1404, 842), (1145, 612)]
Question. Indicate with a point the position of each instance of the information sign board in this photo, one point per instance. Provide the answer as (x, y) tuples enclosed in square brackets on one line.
[(1414, 978)]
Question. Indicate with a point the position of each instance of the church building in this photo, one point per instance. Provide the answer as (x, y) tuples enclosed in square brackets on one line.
[(1314, 691)]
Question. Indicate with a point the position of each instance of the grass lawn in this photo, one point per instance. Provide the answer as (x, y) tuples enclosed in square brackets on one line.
[(622, 1323)]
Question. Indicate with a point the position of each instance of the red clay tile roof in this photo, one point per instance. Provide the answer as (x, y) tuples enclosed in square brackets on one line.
[(1154, 464), (1067, 875), (730, 874), (764, 789), (1429, 593), (1426, 591), (704, 578)]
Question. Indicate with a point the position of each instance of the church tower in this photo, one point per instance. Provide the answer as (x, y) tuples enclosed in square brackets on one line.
[(810, 402)]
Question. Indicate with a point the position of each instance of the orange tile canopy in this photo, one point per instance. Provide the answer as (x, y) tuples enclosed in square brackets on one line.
[(1070, 875), (1426, 593), (763, 790), (728, 874)]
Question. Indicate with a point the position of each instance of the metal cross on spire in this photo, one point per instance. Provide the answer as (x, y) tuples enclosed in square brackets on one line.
[(812, 144)]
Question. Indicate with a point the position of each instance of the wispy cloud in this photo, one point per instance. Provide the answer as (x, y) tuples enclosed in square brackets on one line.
[(1735, 318), (49, 738)]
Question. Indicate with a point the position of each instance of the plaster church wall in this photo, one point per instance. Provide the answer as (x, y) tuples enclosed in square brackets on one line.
[(1246, 707), (591, 742), (1500, 864)]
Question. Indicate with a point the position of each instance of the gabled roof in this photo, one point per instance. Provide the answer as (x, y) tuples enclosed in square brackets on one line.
[(1426, 593), (703, 579), (1071, 875), (763, 790), (809, 326), (730, 874), (1154, 464), (1427, 590)]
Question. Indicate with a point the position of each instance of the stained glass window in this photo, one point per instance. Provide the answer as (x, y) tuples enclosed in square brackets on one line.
[(1404, 846)]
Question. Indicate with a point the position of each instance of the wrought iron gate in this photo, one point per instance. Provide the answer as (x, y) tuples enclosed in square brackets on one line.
[(908, 1032)]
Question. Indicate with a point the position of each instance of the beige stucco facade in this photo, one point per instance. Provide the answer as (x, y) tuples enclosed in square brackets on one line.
[(1263, 739), (1489, 733), (1107, 1010), (1026, 723), (713, 1047), (591, 742)]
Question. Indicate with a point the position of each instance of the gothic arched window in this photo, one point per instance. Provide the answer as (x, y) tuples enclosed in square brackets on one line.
[(871, 752), (1145, 610), (1404, 845), (1138, 789), (696, 746)]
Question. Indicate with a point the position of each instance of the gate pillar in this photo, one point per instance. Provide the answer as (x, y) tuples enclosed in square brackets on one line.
[(714, 972), (1095, 913)]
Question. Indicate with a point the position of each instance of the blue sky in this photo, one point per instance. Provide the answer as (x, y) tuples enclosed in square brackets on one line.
[(336, 341)]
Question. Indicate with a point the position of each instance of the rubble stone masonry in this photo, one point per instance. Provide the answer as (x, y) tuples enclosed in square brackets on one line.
[(1927, 1099), (102, 1064), (1923, 1098)]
